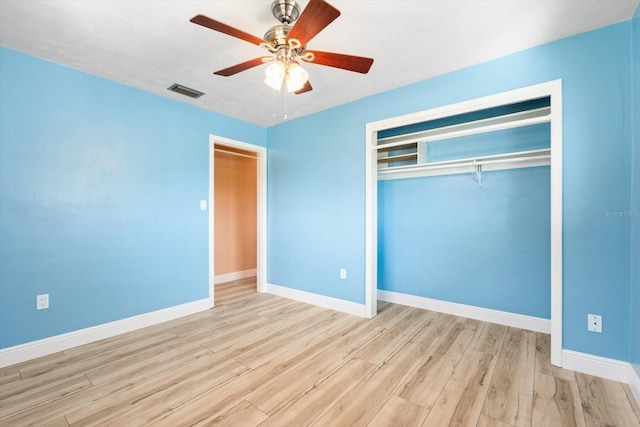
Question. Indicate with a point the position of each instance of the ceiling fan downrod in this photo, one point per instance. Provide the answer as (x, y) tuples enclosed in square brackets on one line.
[(285, 11)]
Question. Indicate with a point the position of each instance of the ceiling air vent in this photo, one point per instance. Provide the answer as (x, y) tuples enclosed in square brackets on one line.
[(187, 91)]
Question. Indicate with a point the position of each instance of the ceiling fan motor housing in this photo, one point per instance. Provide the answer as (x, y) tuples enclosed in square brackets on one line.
[(285, 11), (277, 35)]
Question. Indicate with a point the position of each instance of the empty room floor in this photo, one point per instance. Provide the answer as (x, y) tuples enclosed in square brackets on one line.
[(258, 359)]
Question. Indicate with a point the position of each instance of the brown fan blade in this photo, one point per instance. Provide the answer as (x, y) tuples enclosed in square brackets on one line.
[(359, 64), (306, 88), (313, 19), (239, 67), (205, 21)]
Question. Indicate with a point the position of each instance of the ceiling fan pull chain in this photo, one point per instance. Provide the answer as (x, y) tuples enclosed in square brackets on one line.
[(273, 105), (285, 105)]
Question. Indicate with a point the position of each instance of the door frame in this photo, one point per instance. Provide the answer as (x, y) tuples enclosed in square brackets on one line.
[(552, 89), (261, 226)]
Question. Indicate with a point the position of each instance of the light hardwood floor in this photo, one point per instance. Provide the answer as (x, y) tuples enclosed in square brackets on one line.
[(258, 359)]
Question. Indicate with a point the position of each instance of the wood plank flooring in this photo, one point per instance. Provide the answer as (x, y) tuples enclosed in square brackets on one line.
[(260, 360)]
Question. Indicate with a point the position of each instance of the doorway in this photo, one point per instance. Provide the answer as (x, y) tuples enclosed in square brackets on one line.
[(237, 214)]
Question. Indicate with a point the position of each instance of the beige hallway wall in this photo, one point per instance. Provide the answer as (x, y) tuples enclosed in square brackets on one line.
[(235, 211)]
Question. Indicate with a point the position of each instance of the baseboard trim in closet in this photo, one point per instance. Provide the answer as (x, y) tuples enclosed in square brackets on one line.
[(521, 321)]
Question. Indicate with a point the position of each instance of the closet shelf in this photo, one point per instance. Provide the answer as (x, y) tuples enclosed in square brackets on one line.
[(491, 124)]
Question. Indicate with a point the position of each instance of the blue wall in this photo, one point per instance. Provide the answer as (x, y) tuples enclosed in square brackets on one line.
[(99, 198), (448, 238), (315, 208), (316, 172), (634, 336)]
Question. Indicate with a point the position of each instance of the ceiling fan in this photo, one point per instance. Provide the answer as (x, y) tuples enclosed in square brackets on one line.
[(287, 45)]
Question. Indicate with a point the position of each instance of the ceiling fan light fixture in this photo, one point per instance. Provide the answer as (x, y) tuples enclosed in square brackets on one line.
[(274, 74), (296, 77)]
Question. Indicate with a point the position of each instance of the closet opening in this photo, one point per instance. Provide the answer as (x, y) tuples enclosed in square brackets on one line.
[(237, 219), (464, 210)]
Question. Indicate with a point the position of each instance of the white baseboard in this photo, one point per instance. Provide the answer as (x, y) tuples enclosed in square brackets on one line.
[(597, 366), (237, 275), (603, 367), (319, 300), (31, 350), (634, 384), (529, 323)]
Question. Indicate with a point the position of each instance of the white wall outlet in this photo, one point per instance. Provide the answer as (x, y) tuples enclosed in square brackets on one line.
[(42, 301), (595, 323), (343, 273), (203, 205)]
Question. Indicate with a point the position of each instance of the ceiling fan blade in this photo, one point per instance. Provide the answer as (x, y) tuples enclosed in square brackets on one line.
[(205, 21), (313, 19), (235, 69), (306, 88), (359, 64)]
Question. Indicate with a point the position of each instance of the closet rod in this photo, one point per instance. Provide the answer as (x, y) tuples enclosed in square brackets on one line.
[(220, 150), (467, 163)]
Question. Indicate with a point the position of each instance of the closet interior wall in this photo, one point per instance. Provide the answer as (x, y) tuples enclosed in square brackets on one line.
[(464, 210)]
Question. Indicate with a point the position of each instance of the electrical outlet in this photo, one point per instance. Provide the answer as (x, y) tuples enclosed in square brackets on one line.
[(42, 301), (343, 273), (595, 323)]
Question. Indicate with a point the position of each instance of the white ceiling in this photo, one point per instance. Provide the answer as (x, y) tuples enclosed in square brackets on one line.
[(150, 44)]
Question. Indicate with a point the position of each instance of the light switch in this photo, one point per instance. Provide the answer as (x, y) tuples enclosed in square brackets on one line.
[(203, 205)]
